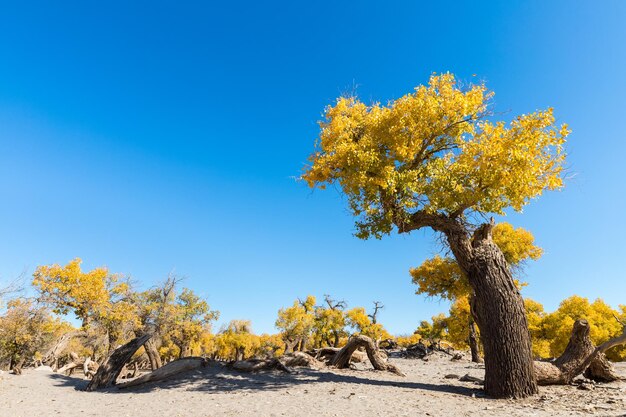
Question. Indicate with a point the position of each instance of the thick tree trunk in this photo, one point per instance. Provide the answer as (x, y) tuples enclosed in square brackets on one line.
[(108, 372), (579, 356), (473, 342), (499, 313)]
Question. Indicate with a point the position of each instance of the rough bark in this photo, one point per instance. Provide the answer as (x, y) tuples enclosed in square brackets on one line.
[(153, 354), (301, 359), (498, 309), (579, 356), (108, 372), (167, 371), (52, 355), (376, 357), (290, 345), (601, 370), (255, 365), (302, 344), (327, 353)]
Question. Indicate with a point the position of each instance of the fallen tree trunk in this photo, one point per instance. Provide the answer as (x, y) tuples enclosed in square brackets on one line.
[(166, 371), (579, 356), (327, 353), (378, 360), (108, 372), (52, 355), (302, 359), (70, 366), (255, 365), (416, 350)]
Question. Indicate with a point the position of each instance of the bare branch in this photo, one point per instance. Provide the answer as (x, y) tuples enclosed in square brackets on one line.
[(377, 307)]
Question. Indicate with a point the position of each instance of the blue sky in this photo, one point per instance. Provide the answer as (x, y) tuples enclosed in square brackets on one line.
[(159, 136)]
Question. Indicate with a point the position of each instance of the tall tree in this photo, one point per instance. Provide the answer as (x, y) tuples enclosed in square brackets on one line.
[(432, 158), (296, 323), (26, 328), (101, 300)]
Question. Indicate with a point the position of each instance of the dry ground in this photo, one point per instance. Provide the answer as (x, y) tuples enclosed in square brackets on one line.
[(215, 391)]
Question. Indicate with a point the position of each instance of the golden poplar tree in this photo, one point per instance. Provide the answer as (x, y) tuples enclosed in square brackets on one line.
[(435, 158)]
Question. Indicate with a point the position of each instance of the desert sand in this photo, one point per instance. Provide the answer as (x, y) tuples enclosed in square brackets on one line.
[(218, 391)]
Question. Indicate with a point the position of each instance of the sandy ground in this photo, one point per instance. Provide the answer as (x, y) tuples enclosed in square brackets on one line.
[(216, 391)]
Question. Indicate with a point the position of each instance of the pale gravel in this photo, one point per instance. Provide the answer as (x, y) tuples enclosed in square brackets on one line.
[(216, 391)]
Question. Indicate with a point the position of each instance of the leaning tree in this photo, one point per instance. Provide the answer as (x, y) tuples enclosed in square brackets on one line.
[(435, 159)]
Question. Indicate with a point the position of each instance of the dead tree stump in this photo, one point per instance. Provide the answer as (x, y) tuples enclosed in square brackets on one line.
[(579, 355)]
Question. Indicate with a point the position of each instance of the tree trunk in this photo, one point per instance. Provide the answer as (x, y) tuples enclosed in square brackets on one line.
[(473, 342), (52, 355), (290, 345), (108, 372), (16, 366), (499, 313), (601, 370), (378, 360), (185, 350), (336, 342), (167, 371), (579, 355), (153, 354)]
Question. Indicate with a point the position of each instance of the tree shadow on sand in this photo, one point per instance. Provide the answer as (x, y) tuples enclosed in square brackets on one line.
[(217, 378)]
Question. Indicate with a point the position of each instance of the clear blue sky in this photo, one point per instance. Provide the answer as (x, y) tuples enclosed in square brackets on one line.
[(151, 136)]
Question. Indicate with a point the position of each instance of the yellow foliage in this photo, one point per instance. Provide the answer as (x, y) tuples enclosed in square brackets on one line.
[(536, 316), (297, 321), (442, 277), (434, 150), (405, 341), (601, 317), (329, 326), (434, 331), (26, 330), (358, 318), (458, 323), (236, 341), (67, 288), (517, 245)]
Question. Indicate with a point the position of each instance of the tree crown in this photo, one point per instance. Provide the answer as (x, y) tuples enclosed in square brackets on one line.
[(434, 151)]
